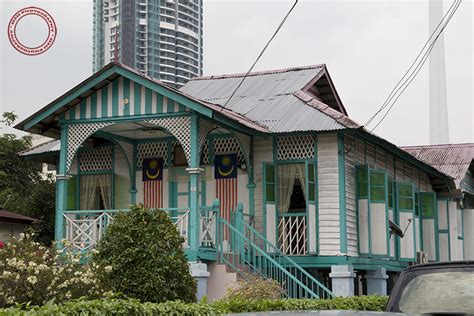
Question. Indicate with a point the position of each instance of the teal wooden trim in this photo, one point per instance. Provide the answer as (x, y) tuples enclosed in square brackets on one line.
[(94, 105), (251, 177), (82, 108), (316, 177), (137, 98), (126, 96), (436, 227), (148, 101), (61, 187), (369, 220), (193, 235), (130, 118), (104, 103), (292, 214), (70, 96), (133, 180), (170, 106), (115, 100), (113, 137), (342, 193), (387, 227), (167, 92)]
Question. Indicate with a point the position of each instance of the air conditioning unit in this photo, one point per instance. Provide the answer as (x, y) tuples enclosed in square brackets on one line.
[(421, 257)]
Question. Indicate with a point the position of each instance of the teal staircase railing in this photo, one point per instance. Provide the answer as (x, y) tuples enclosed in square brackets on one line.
[(245, 251)]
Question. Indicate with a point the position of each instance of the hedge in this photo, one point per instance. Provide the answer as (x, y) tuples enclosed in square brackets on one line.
[(115, 306)]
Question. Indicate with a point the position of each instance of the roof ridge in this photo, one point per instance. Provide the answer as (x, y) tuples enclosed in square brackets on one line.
[(339, 117), (258, 73), (440, 145)]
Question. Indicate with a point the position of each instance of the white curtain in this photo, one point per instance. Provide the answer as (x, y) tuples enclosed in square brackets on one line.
[(105, 185), (88, 192), (91, 185), (286, 175)]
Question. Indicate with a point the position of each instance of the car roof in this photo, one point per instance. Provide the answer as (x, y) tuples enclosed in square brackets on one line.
[(441, 265)]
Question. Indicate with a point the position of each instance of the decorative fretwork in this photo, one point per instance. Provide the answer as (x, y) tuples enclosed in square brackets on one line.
[(84, 231), (152, 150), (77, 134), (295, 147), (97, 159), (180, 127), (205, 153), (228, 145), (292, 235), (244, 141), (207, 228), (205, 127)]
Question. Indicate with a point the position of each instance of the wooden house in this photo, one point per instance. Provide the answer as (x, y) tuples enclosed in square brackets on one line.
[(277, 180)]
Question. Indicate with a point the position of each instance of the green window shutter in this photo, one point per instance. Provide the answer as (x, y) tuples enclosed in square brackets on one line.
[(390, 194), (405, 197), (311, 176), (417, 204), (377, 185), (71, 193), (428, 204), (362, 178), (269, 176)]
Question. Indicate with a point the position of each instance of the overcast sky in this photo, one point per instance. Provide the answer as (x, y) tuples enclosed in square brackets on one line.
[(366, 45)]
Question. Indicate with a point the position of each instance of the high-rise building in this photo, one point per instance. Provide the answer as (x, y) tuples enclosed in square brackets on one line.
[(159, 38)]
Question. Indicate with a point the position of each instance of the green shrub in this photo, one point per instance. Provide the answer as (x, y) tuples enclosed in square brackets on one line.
[(114, 306), (254, 287), (32, 273), (142, 251)]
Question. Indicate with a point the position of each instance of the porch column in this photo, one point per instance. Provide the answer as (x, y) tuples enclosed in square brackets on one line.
[(194, 171), (61, 186), (377, 281), (342, 278)]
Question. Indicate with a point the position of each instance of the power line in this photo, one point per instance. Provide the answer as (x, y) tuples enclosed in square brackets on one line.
[(397, 87), (261, 53), (420, 64)]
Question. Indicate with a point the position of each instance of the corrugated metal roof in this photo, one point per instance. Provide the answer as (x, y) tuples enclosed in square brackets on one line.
[(16, 217), (51, 146), (271, 98), (451, 159)]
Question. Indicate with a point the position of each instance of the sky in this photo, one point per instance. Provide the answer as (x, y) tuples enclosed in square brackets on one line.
[(366, 45)]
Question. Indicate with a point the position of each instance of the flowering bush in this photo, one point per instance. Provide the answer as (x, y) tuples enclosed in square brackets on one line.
[(32, 273), (254, 287)]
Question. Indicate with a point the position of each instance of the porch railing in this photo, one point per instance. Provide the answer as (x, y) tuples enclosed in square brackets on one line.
[(251, 252), (292, 234), (85, 228)]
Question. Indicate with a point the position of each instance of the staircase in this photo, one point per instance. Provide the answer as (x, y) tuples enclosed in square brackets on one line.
[(245, 250)]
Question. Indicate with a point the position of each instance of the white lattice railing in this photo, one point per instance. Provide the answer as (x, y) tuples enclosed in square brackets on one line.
[(292, 237), (208, 227), (85, 228), (180, 218)]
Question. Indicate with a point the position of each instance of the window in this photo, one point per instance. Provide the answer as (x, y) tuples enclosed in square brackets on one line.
[(390, 194), (291, 187), (96, 191), (362, 175), (270, 183), (427, 205), (405, 196), (71, 193), (417, 204), (377, 185), (311, 182)]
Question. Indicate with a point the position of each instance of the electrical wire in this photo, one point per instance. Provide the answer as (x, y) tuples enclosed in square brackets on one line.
[(419, 66), (397, 87), (261, 53)]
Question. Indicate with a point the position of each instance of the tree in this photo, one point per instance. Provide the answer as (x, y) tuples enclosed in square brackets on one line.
[(22, 188), (142, 250)]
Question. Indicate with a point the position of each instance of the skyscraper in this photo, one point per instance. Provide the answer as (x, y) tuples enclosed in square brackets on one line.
[(159, 38)]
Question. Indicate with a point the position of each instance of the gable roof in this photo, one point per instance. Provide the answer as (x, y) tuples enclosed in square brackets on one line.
[(45, 121), (452, 159), (283, 100)]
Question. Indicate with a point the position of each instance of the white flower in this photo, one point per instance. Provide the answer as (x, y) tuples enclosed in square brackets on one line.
[(32, 279), (108, 269)]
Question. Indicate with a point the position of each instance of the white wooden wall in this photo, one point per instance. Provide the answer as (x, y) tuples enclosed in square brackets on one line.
[(328, 200), (351, 209), (469, 234), (263, 152)]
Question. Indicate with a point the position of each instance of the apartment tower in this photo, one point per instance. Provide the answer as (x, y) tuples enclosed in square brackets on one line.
[(159, 38)]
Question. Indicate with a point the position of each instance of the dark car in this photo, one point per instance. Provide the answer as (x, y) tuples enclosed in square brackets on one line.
[(444, 288)]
